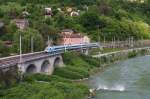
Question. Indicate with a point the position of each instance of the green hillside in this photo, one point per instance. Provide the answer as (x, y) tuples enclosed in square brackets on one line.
[(105, 18)]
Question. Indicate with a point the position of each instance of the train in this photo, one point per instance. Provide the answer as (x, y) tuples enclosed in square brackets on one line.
[(59, 48)]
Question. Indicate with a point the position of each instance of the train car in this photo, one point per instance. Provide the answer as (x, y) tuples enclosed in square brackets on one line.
[(94, 45), (69, 47), (77, 46), (50, 49), (59, 48)]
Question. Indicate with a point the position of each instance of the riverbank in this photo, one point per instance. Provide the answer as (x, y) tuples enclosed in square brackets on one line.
[(110, 58), (63, 83)]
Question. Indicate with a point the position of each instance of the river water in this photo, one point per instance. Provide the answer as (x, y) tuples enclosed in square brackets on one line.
[(129, 79)]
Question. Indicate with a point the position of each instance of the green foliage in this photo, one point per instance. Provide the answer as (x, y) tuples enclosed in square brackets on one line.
[(8, 78), (43, 77), (78, 70), (32, 91), (10, 9), (143, 52), (4, 50), (63, 72), (50, 89), (46, 30), (8, 32), (26, 40), (124, 29), (90, 60), (132, 54), (115, 18), (64, 21), (90, 20), (77, 67)]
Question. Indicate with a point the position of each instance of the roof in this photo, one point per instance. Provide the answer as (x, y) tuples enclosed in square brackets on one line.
[(49, 9), (72, 36), (20, 20), (7, 42), (67, 30)]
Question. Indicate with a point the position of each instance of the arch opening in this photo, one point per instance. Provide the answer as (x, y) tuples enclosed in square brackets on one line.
[(45, 66), (57, 62), (31, 68)]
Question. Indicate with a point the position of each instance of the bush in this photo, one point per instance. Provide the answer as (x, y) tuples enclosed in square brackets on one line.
[(79, 70), (4, 50), (132, 54), (63, 72), (67, 59), (43, 77), (72, 90), (90, 60), (143, 52)]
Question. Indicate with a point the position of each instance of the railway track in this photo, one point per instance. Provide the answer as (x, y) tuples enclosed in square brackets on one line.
[(14, 60)]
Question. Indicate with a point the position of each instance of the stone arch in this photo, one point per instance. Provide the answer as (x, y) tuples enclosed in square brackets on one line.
[(45, 66), (31, 69), (57, 62)]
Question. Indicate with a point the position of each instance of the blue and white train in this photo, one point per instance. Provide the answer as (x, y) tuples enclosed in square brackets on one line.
[(59, 48)]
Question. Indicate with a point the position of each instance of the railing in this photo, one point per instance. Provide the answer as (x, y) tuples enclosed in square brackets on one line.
[(128, 50), (27, 54), (125, 44)]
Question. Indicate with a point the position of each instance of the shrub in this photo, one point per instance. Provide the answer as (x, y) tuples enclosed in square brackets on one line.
[(143, 51), (79, 70), (63, 72), (90, 60), (43, 77), (132, 54)]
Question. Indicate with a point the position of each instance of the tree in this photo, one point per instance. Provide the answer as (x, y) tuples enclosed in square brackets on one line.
[(4, 50), (11, 9), (52, 32), (8, 77), (64, 21), (2, 29), (12, 28), (90, 20), (9, 31), (26, 40), (104, 7)]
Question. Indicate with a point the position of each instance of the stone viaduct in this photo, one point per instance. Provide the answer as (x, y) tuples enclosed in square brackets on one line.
[(38, 62)]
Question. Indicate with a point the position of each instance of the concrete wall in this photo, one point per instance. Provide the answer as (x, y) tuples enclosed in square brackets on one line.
[(124, 54)]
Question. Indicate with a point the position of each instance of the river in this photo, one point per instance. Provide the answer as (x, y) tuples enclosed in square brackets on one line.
[(129, 79)]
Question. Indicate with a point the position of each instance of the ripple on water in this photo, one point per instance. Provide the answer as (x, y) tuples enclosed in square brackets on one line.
[(119, 88)]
